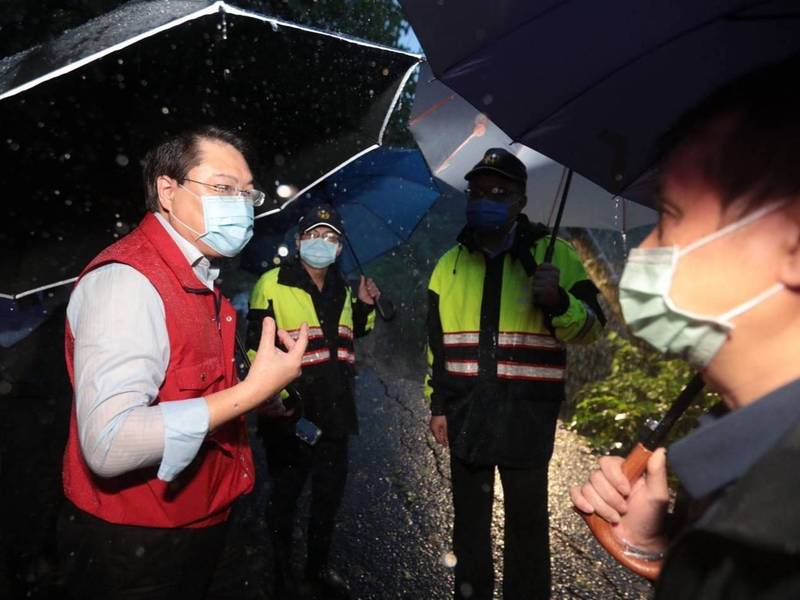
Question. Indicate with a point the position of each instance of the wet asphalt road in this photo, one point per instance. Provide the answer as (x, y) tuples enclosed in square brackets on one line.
[(394, 525)]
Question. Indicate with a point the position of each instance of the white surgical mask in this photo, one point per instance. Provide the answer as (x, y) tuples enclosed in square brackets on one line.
[(653, 317), (228, 221), (318, 253)]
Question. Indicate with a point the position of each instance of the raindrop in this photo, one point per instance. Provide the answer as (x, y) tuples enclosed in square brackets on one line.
[(40, 124), (57, 192), (286, 190), (618, 177), (487, 99), (280, 160), (283, 250), (371, 93), (274, 25), (140, 552), (67, 156), (68, 202), (466, 590), (276, 260), (449, 560), (13, 145), (143, 82), (164, 110), (385, 71), (5, 388), (120, 61), (122, 160)]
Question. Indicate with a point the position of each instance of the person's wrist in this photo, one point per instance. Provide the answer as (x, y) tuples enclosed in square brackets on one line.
[(651, 549)]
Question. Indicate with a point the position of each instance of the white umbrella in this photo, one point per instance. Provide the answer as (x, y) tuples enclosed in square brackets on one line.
[(453, 137)]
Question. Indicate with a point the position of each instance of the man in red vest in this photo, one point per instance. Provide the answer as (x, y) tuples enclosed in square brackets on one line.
[(157, 449)]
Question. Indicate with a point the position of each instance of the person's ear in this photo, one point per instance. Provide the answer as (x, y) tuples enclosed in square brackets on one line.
[(166, 187), (297, 241), (339, 248), (790, 261)]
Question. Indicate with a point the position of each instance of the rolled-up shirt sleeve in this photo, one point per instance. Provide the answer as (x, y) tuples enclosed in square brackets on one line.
[(120, 359)]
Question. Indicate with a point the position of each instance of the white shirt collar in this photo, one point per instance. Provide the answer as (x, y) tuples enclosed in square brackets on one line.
[(199, 263)]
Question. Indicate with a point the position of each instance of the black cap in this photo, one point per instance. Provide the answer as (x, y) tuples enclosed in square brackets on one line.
[(321, 214), (499, 160)]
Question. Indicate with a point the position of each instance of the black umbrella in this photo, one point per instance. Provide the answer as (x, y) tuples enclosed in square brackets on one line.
[(594, 85), (79, 113)]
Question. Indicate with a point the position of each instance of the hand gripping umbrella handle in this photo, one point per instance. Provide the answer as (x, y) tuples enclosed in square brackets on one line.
[(633, 468), (384, 306)]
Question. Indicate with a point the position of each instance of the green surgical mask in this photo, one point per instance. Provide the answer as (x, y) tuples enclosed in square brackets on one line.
[(651, 314)]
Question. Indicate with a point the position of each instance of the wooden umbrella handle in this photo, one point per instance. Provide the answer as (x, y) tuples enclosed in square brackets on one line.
[(633, 468)]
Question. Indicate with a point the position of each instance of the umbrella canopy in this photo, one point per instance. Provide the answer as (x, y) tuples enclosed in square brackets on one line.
[(381, 197), (594, 85), (80, 112), (453, 136)]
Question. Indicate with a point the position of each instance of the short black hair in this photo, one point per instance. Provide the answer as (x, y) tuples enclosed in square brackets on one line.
[(178, 154), (755, 125)]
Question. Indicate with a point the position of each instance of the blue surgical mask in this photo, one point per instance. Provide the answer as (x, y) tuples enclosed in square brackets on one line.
[(318, 253), (651, 314), (488, 216), (228, 221)]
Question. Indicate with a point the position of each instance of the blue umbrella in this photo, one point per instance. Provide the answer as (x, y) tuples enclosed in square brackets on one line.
[(382, 197)]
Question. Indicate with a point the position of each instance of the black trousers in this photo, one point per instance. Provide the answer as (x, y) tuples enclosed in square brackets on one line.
[(526, 555), (101, 560), (291, 462)]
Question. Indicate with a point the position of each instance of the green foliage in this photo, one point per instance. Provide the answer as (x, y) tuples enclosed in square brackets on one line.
[(642, 384)]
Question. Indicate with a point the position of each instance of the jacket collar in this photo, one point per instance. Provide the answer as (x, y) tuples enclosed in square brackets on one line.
[(525, 236), (293, 274)]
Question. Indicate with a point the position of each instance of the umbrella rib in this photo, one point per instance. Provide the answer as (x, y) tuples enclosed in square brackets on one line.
[(232, 10), (110, 50), (313, 183), (39, 289), (209, 10), (397, 94), (627, 64)]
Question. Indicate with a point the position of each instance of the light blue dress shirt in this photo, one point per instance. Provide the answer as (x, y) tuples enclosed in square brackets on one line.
[(121, 357)]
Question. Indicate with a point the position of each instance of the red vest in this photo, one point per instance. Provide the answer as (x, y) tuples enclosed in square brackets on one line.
[(201, 326)]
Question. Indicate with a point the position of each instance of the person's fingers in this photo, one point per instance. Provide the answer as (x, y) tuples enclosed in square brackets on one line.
[(608, 493), (579, 501), (657, 475), (611, 466), (301, 342), (286, 339), (267, 333), (600, 506)]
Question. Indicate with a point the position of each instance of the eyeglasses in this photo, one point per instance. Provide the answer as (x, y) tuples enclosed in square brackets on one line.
[(255, 197), (328, 236)]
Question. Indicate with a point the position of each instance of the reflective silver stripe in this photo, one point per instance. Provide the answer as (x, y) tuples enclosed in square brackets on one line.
[(345, 332), (462, 367), (462, 338), (513, 370), (316, 356), (528, 340), (346, 355), (313, 333)]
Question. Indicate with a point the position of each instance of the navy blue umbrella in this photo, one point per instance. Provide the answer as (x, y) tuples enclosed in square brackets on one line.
[(594, 85), (382, 197)]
